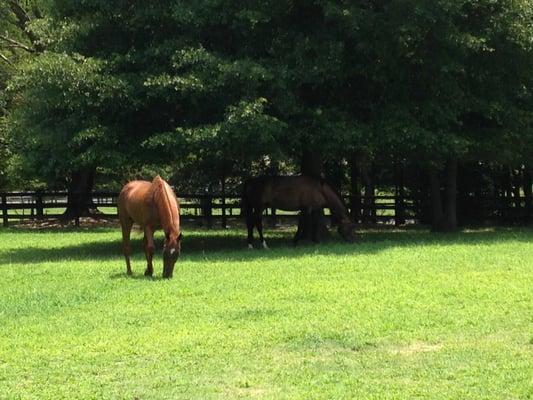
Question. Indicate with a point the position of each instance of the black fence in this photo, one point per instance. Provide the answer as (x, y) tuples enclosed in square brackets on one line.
[(211, 209), (207, 208)]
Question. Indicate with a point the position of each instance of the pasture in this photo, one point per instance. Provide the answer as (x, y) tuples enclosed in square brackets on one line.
[(401, 315)]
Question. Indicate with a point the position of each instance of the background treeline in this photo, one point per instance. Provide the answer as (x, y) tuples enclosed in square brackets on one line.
[(431, 98)]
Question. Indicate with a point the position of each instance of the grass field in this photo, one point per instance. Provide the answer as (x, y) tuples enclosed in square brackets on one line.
[(401, 315)]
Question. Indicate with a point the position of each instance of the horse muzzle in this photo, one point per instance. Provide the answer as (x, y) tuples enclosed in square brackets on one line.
[(168, 268)]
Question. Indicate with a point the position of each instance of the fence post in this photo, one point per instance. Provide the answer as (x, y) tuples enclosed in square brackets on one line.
[(74, 201), (399, 206), (224, 219), (33, 206), (39, 205), (207, 209), (369, 204), (355, 207), (223, 205), (399, 210), (4, 211)]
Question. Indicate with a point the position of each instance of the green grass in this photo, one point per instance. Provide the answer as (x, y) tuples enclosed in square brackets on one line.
[(401, 315)]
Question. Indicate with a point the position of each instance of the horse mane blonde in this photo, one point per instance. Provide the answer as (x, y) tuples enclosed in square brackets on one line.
[(167, 206)]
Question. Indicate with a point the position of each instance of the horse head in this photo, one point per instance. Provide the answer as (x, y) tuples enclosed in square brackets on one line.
[(347, 230), (171, 252)]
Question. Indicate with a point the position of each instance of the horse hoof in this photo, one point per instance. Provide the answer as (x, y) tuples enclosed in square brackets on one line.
[(128, 272), (250, 246), (265, 245), (148, 273)]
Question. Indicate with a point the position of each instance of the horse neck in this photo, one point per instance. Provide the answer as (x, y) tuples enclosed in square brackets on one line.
[(337, 207), (166, 207)]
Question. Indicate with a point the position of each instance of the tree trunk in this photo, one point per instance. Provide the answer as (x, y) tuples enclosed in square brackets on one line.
[(334, 174), (273, 171), (444, 213), (311, 163), (517, 181), (421, 189), (370, 201), (507, 194), (355, 191), (79, 202), (206, 204), (369, 211), (528, 189), (224, 222), (450, 205), (399, 206), (437, 214)]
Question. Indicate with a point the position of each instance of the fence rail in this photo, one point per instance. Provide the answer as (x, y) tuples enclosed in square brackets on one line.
[(217, 207)]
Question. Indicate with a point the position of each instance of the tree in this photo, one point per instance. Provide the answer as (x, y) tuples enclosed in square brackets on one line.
[(18, 42), (209, 91), (447, 86)]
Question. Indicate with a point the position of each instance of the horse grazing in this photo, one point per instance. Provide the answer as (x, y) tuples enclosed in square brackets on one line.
[(153, 206), (292, 193)]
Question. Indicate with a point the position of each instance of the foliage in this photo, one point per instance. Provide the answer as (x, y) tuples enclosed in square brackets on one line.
[(61, 104), (447, 81), (206, 90)]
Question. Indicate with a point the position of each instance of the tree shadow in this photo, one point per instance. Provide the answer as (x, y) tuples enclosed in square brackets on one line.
[(218, 245)]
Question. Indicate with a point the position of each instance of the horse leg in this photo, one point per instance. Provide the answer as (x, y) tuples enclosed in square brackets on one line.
[(299, 231), (149, 250), (250, 227), (126, 225), (259, 225)]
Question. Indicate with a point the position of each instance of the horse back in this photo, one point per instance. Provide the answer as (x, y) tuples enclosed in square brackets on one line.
[(285, 192), (135, 202)]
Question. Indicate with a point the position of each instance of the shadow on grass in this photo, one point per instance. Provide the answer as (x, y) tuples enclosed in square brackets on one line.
[(136, 276), (215, 245)]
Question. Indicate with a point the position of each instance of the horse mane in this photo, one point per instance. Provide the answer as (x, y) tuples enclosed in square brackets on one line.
[(335, 201), (167, 206)]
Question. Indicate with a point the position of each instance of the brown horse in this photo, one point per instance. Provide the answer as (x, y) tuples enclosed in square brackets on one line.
[(152, 205), (292, 193)]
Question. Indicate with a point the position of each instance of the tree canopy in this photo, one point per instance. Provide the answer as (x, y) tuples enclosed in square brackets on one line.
[(217, 89)]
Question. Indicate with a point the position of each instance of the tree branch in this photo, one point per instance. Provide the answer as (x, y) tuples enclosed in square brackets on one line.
[(20, 13), (2, 57), (22, 19), (17, 44)]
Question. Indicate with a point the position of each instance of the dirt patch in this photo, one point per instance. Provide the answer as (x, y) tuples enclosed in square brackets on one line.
[(50, 223), (415, 348)]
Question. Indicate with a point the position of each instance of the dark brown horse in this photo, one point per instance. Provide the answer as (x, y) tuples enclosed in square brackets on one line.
[(292, 193), (153, 206)]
